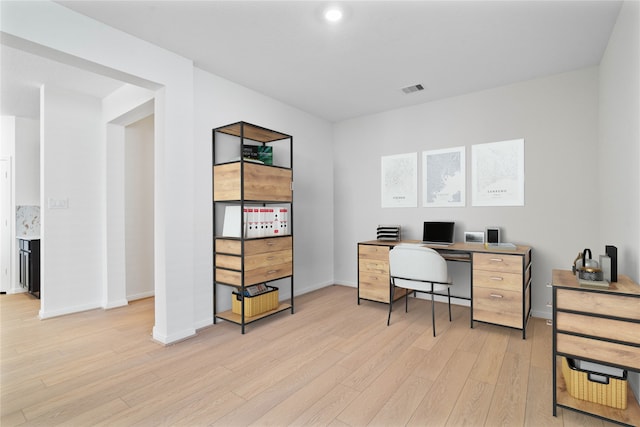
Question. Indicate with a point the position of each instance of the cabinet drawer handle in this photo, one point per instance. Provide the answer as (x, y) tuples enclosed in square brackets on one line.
[(272, 271), (271, 258), (497, 259), (495, 296), (496, 278), (270, 243)]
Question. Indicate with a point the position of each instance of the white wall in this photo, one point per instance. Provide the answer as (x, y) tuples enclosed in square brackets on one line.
[(27, 173), (619, 146), (138, 189), (51, 30), (71, 246), (219, 102), (557, 117), (619, 135)]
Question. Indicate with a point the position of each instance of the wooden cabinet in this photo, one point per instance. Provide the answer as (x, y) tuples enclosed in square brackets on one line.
[(244, 259), (596, 325), (502, 288), (373, 273), (29, 265)]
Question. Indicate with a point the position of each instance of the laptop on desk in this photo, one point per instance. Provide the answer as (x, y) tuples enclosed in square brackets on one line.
[(438, 233)]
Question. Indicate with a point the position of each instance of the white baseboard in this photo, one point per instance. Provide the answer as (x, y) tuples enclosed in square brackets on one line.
[(69, 310)]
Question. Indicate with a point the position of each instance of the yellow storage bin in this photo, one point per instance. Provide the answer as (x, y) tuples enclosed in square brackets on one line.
[(255, 305), (584, 386)]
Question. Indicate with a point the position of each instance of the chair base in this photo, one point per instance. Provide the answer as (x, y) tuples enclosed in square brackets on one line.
[(406, 304)]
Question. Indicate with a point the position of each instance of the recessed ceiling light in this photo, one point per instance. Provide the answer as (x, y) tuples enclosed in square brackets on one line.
[(333, 14)]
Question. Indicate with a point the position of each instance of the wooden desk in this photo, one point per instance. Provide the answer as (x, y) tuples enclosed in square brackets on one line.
[(597, 325), (500, 279)]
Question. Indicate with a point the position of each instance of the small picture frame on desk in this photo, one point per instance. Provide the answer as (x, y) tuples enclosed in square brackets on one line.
[(474, 237)]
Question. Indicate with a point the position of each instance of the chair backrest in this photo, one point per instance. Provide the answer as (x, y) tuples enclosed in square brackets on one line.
[(417, 263)]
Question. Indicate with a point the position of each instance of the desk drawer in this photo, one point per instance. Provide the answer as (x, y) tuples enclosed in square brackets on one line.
[(372, 252), (497, 280), (497, 306), (497, 262), (599, 303), (377, 288), (373, 266), (602, 351)]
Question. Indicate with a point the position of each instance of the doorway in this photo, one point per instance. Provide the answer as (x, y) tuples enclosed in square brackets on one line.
[(139, 208)]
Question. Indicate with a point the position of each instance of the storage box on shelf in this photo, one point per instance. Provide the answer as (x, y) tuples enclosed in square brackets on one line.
[(255, 305), (594, 387), (251, 256), (601, 326)]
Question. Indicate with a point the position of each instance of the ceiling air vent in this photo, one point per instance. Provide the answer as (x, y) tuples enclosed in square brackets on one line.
[(411, 89)]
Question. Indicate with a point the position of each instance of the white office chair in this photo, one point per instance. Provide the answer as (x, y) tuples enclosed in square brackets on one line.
[(419, 269)]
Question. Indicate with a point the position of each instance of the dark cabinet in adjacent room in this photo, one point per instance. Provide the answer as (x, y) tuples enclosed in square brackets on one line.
[(29, 255)]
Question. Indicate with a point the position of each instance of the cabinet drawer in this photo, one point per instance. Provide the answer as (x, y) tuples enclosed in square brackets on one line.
[(377, 289), (261, 182), (372, 252), (598, 303), (374, 266), (255, 246), (498, 306), (497, 280), (599, 327), (497, 262), (257, 275), (251, 262), (602, 351)]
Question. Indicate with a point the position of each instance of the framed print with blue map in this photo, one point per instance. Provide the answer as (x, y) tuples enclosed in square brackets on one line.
[(497, 173), (444, 178)]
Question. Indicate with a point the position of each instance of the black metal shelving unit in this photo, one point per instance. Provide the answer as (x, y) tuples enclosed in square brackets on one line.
[(241, 182)]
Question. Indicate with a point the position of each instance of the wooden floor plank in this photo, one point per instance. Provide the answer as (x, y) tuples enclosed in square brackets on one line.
[(332, 363)]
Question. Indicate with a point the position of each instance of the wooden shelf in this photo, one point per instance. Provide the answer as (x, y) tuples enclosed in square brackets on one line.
[(253, 132), (236, 318), (629, 416)]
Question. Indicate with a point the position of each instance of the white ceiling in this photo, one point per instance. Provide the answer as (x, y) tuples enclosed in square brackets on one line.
[(285, 50)]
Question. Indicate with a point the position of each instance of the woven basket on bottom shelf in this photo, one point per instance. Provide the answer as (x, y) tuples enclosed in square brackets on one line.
[(257, 304), (579, 386)]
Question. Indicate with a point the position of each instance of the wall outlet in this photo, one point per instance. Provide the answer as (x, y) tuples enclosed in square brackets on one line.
[(58, 203)]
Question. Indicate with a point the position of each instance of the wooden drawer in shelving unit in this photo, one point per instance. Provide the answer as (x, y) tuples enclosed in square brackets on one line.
[(264, 260), (261, 182), (586, 327)]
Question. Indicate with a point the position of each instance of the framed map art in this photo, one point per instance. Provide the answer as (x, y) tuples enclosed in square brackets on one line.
[(444, 178), (399, 186), (497, 173)]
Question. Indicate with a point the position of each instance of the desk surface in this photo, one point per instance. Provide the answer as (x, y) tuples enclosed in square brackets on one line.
[(456, 247)]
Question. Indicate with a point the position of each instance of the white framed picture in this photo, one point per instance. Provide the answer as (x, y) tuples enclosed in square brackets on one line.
[(497, 173), (399, 180), (443, 177)]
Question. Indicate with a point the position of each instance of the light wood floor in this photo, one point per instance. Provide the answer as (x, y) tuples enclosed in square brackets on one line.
[(331, 363)]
